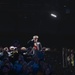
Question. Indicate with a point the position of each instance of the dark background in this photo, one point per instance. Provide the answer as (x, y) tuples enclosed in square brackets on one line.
[(21, 19)]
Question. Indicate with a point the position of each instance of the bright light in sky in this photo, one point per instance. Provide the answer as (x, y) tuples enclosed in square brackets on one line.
[(53, 15)]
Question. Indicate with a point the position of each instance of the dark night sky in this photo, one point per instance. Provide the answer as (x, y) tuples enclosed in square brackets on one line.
[(33, 17)]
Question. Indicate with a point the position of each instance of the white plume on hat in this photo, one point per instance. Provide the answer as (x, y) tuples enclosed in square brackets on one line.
[(12, 47), (35, 36)]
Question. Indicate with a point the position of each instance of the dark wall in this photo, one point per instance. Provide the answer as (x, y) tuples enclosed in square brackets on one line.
[(23, 19), (34, 16)]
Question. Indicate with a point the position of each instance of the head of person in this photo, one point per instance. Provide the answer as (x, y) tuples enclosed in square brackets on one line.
[(21, 58), (6, 60), (6, 49), (35, 38), (12, 48), (23, 48)]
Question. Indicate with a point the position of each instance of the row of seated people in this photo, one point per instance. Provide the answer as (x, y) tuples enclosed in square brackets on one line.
[(22, 50)]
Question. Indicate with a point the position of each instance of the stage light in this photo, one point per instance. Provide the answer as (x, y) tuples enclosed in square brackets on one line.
[(54, 15)]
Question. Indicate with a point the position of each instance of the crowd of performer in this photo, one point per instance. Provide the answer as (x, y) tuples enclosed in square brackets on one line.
[(24, 60), (30, 59)]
